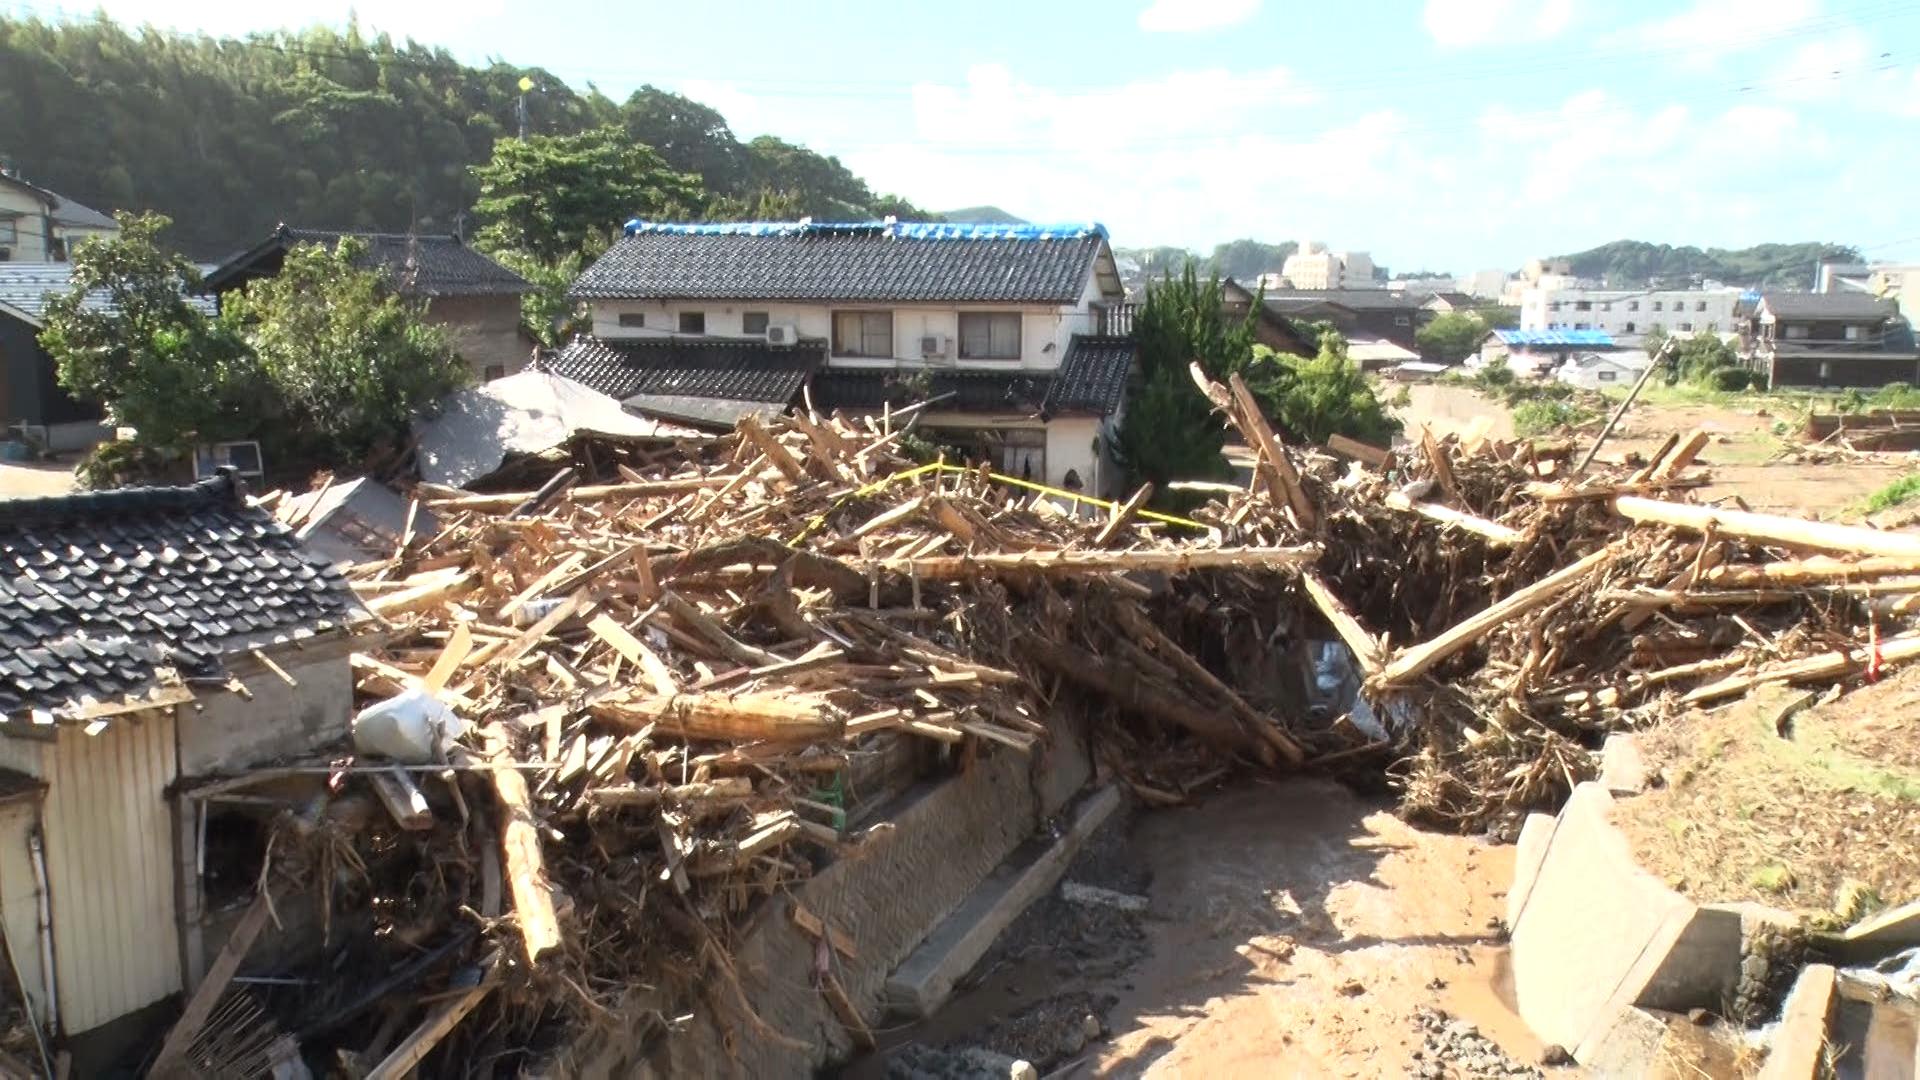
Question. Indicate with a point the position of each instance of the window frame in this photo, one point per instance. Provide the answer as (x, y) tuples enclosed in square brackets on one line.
[(696, 318), (9, 230), (1019, 333), (632, 320), (766, 320), (865, 333)]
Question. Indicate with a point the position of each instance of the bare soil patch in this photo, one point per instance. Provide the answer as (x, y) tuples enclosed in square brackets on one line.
[(20, 481), (1786, 811)]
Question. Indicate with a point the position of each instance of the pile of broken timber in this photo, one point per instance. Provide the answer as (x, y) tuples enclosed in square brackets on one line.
[(665, 682), (1503, 609), (666, 679)]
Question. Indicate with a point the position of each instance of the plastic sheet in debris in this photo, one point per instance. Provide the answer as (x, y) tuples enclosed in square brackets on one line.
[(1335, 691)]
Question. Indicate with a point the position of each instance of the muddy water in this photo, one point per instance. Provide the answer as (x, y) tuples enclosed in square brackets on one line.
[(1292, 929)]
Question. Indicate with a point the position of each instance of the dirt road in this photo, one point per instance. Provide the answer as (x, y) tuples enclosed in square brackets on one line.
[(1290, 929), (26, 480)]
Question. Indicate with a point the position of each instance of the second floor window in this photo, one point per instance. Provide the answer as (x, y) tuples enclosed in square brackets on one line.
[(693, 322), (1633, 305), (9, 232), (633, 320), (1658, 305), (753, 322), (863, 333), (989, 335)]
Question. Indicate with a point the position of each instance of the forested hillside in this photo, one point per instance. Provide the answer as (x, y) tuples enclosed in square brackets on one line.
[(1633, 263), (340, 130)]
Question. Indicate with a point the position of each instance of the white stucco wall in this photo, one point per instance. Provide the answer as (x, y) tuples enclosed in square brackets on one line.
[(1614, 310), (28, 241), (1045, 331), (225, 731)]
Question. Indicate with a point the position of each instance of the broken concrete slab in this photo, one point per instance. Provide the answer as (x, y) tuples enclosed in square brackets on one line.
[(922, 983), (1800, 1041), (1536, 835), (1881, 935), (1629, 1047), (1623, 766), (1074, 892), (1595, 936)]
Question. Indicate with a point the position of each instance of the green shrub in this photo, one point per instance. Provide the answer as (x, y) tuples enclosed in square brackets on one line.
[(1894, 494), (1732, 379), (1540, 417), (117, 463)]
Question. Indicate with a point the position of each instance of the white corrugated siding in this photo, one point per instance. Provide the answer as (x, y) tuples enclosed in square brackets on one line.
[(20, 897), (110, 864)]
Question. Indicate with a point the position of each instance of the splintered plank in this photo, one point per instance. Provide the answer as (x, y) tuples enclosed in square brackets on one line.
[(778, 454), (1503, 535), (1799, 532), (626, 644), (767, 717), (1123, 516), (520, 844), (1069, 563)]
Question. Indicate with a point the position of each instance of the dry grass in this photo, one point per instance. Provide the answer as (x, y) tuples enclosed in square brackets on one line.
[(1748, 814)]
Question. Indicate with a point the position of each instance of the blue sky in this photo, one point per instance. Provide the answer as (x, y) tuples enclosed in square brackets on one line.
[(1443, 134)]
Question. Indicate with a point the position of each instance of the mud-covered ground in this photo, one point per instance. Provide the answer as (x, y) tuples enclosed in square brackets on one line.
[(1290, 929)]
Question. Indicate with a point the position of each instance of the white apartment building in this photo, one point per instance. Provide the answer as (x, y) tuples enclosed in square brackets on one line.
[(1627, 315), (1315, 267)]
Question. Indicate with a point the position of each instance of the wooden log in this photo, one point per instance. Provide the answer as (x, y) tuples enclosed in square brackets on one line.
[(442, 1019), (1826, 666), (171, 1060), (1811, 571), (687, 612), (1126, 688), (589, 494), (1503, 535), (1136, 623), (1554, 491), (1371, 456), (1365, 647), (527, 882), (777, 717), (1442, 468), (1412, 663), (1122, 515), (1653, 464), (1069, 563), (730, 787), (1775, 528), (890, 517), (1681, 455)]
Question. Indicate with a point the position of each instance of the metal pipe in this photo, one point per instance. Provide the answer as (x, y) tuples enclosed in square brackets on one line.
[(36, 847)]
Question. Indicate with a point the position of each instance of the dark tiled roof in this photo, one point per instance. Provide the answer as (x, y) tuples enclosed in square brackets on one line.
[(854, 265), (420, 265), (688, 367), (1847, 305), (104, 594), (26, 287), (856, 391), (1093, 376)]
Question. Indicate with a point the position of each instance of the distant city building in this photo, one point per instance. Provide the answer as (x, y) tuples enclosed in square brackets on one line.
[(1437, 283), (1485, 284), (1315, 267), (1827, 339), (1898, 283), (1628, 315)]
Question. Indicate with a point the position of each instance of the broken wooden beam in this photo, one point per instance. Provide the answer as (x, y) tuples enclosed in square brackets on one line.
[(765, 717), (1774, 528), (778, 454), (532, 892), (1136, 623), (1826, 666), (1126, 688), (404, 800), (1365, 647), (1122, 516), (1366, 454), (590, 494), (1259, 434), (1815, 570), (1411, 663), (443, 1018), (1504, 535), (172, 1058)]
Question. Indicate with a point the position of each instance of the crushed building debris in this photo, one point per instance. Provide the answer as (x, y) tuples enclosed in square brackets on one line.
[(649, 699)]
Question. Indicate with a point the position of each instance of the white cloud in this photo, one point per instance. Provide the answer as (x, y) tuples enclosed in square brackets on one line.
[(1189, 16), (1710, 29), (1457, 23)]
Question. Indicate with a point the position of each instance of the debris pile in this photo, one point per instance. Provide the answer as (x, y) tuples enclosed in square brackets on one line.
[(643, 705)]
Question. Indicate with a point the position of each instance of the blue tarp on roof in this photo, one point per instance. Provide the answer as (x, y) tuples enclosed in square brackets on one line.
[(1575, 339), (909, 230)]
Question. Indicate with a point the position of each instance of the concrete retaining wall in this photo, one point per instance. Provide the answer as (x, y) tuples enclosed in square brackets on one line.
[(946, 837)]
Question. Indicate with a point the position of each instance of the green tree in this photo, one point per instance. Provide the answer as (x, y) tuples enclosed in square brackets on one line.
[(551, 196), (155, 362), (1698, 360), (1315, 399), (1169, 431), (351, 360), (1452, 336)]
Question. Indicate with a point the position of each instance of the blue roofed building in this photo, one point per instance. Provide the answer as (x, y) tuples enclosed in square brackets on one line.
[(996, 328)]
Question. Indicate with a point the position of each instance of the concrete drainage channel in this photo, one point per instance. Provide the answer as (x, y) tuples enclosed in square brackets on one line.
[(1612, 965)]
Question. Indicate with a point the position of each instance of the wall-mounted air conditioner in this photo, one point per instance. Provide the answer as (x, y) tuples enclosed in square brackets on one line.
[(933, 346), (782, 334)]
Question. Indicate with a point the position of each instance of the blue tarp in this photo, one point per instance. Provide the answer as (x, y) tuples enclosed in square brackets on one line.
[(910, 230), (1574, 339)]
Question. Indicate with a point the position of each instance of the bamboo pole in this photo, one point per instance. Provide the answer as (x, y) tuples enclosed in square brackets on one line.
[(1776, 528)]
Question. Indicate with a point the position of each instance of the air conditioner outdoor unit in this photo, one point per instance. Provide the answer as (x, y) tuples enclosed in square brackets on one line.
[(781, 334), (933, 345), (6, 254)]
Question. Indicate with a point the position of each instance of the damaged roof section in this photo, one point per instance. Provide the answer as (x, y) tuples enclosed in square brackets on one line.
[(111, 595), (1091, 380), (709, 382)]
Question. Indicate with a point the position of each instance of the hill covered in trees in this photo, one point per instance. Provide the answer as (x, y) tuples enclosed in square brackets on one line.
[(342, 130), (1634, 263), (1243, 260)]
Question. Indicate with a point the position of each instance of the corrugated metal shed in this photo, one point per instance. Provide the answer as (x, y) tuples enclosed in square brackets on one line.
[(109, 844)]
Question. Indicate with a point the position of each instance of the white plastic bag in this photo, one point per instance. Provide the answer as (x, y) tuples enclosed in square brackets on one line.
[(414, 728)]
